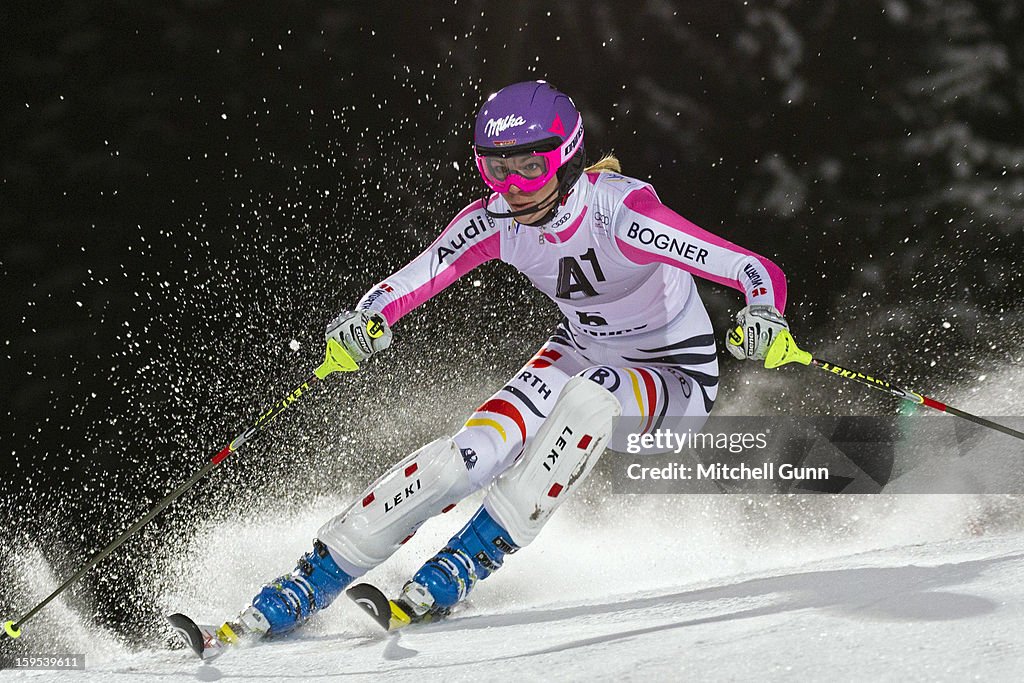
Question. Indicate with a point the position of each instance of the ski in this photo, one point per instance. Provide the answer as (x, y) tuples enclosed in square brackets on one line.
[(202, 639), (382, 610)]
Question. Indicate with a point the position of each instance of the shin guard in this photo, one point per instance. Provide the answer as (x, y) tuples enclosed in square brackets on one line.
[(389, 512), (560, 457)]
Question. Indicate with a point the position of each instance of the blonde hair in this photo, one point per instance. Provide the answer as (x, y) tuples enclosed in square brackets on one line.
[(609, 162)]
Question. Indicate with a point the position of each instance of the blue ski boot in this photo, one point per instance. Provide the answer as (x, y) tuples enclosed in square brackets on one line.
[(289, 600), (473, 554)]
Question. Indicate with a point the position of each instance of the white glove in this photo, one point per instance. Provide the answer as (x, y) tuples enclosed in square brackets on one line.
[(756, 329), (361, 334)]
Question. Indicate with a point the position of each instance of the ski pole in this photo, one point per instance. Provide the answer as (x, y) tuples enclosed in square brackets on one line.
[(337, 359), (784, 350)]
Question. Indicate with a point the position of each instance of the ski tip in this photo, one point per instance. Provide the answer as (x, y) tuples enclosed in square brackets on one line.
[(382, 610), (200, 640), (372, 601), (188, 632)]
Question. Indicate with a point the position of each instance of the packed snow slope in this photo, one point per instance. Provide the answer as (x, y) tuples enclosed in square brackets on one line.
[(889, 587), (716, 593)]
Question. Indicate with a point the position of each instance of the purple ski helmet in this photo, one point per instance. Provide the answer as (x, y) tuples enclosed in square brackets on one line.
[(526, 134)]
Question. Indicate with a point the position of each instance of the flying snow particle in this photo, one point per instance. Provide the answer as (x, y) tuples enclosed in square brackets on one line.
[(294, 345), (946, 325), (456, 165), (477, 283)]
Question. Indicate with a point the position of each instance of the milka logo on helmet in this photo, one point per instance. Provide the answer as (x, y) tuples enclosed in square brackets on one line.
[(498, 126)]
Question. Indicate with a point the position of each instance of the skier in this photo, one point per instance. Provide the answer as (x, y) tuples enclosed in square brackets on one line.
[(635, 341)]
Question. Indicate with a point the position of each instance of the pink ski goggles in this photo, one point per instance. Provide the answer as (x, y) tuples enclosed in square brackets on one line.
[(528, 171)]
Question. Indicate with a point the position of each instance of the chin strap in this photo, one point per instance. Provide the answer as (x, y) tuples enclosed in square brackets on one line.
[(549, 202)]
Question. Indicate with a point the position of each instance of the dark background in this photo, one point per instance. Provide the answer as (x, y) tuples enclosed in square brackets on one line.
[(188, 187)]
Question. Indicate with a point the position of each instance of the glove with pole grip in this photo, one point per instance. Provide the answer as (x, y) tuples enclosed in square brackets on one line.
[(360, 333), (757, 326)]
